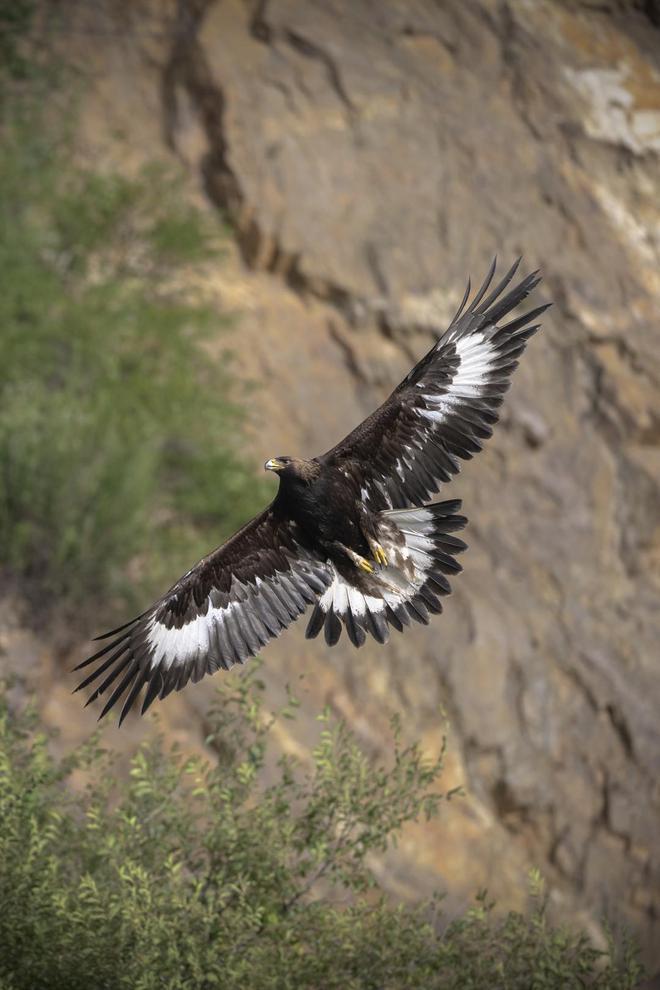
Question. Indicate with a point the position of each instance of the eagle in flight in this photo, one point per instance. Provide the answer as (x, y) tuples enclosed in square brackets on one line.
[(351, 532)]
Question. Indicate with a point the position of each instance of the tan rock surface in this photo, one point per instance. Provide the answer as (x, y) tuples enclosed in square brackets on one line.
[(370, 154)]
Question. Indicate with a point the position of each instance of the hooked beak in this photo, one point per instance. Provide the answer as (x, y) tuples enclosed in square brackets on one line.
[(273, 465)]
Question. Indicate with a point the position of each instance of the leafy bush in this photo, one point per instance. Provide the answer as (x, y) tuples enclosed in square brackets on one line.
[(119, 434), (16, 18), (196, 875)]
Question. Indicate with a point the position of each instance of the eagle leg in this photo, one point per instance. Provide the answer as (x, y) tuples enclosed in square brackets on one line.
[(358, 560), (368, 527)]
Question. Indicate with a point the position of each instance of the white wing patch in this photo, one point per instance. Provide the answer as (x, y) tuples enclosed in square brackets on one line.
[(185, 643), (341, 595), (209, 633), (477, 357)]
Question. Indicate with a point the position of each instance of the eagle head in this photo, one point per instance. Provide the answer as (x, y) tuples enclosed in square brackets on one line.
[(293, 468), (277, 464)]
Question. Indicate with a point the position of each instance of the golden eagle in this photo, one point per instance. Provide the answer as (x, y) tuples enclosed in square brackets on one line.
[(350, 532)]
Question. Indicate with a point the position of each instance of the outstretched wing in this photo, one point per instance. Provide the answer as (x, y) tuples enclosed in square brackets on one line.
[(446, 407), (220, 613)]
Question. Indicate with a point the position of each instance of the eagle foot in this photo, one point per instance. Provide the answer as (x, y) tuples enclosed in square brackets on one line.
[(379, 554), (358, 560)]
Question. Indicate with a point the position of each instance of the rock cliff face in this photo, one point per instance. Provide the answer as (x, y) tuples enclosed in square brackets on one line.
[(369, 155)]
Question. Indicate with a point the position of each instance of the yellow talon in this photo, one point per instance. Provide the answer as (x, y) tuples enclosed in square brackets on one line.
[(365, 565), (380, 555)]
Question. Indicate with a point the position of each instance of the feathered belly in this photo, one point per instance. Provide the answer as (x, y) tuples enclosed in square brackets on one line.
[(330, 518)]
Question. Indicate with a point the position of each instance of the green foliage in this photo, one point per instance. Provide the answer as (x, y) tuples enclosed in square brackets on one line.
[(193, 875), (119, 433), (15, 21)]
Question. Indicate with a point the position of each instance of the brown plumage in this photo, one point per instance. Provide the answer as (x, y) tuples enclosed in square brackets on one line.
[(349, 532)]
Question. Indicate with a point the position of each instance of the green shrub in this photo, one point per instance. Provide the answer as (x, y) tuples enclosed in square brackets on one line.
[(193, 875), (119, 432), (16, 18)]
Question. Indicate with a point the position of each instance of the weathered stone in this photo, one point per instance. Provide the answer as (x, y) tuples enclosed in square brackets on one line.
[(370, 154)]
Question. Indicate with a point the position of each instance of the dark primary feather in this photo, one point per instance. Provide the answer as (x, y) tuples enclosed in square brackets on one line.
[(415, 441), (242, 594)]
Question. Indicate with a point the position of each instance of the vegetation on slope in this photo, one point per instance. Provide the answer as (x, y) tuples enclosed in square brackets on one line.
[(195, 875), (119, 433)]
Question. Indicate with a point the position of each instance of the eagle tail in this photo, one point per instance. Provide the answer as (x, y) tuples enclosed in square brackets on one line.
[(421, 550)]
